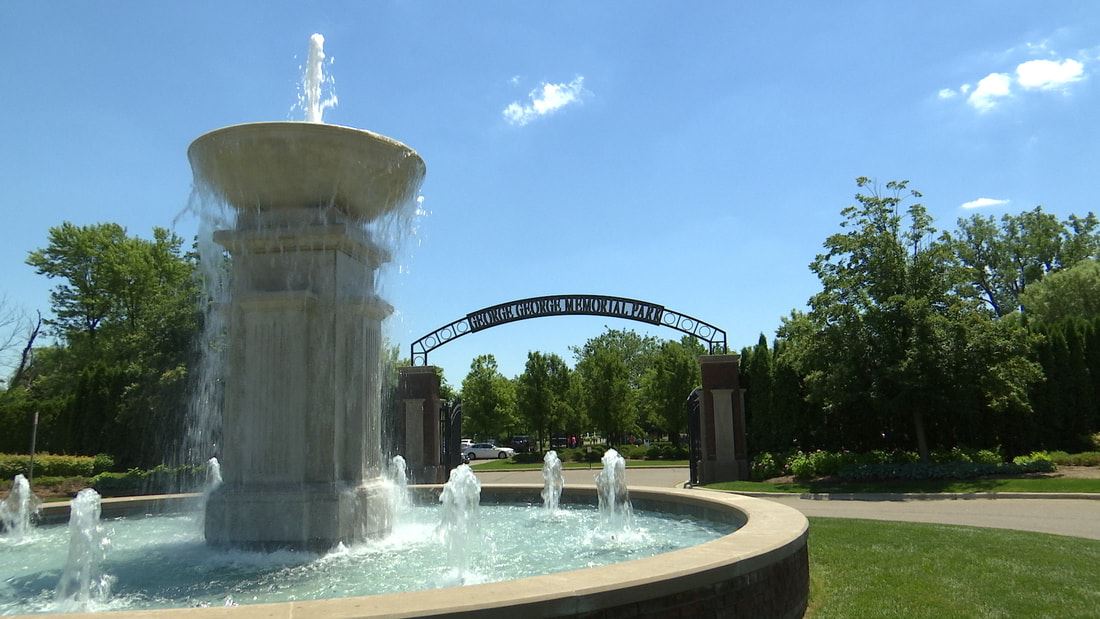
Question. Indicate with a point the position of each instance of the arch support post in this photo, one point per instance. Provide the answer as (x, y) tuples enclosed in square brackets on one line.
[(418, 424), (724, 453)]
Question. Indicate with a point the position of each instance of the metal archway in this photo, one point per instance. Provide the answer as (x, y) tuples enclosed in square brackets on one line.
[(568, 305)]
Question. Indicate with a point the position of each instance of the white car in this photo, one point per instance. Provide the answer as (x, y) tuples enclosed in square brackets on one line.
[(488, 450)]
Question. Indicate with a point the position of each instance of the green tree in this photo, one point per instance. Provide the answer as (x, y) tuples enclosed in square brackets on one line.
[(125, 315), (1069, 293), (887, 341), (1002, 261), (674, 372), (606, 392), (542, 394), (488, 400)]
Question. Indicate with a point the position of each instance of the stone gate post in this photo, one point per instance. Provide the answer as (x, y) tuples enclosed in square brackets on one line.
[(722, 423), (418, 412)]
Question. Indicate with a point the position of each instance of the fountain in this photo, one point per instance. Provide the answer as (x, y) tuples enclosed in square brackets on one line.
[(552, 481), (303, 464), (399, 477), (301, 423), (17, 509), (616, 513), (459, 527), (81, 582)]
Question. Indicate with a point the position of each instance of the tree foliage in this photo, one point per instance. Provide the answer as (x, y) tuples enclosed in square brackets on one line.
[(889, 345), (543, 394), (488, 400), (125, 316)]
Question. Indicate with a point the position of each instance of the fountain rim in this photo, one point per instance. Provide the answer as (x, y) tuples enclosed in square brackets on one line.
[(771, 533), (321, 127)]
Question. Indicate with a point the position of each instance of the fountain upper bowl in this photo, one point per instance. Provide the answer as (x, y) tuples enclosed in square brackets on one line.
[(292, 165)]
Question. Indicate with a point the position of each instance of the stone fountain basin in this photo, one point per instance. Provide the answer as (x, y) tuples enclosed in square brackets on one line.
[(759, 570), (275, 166)]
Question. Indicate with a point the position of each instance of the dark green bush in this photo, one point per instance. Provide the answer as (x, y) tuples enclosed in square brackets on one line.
[(1085, 458), (945, 470), (530, 457), (632, 452), (101, 463), (158, 480), (765, 466), (47, 465)]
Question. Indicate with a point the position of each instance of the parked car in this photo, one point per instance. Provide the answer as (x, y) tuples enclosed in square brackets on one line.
[(489, 451), (467, 443)]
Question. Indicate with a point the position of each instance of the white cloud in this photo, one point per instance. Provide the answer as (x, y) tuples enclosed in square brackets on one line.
[(1049, 74), (965, 88), (984, 202), (947, 93), (989, 89), (545, 99)]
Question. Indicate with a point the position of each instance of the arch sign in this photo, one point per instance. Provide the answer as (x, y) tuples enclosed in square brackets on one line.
[(568, 305)]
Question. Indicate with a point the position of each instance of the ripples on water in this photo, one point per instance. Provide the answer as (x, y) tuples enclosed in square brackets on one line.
[(162, 561)]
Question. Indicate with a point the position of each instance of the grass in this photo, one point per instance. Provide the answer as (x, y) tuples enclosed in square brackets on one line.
[(508, 465), (865, 568), (1021, 484)]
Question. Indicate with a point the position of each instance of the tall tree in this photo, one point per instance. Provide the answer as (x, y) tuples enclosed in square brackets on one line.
[(881, 340), (488, 400), (542, 394), (125, 314), (607, 395), (666, 385)]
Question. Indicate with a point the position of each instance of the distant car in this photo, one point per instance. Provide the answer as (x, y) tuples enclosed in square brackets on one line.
[(488, 451), (522, 444), (467, 443)]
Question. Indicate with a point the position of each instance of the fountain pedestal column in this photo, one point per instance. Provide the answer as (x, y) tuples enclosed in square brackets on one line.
[(722, 422), (301, 431)]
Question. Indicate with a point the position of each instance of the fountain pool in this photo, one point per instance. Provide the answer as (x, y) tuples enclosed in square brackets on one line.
[(759, 568)]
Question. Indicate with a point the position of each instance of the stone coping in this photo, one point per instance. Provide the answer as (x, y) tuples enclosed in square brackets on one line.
[(771, 533)]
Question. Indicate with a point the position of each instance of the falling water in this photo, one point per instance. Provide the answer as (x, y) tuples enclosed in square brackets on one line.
[(81, 583), (313, 79), (213, 476), (17, 509), (615, 511), (552, 481), (399, 477), (460, 526)]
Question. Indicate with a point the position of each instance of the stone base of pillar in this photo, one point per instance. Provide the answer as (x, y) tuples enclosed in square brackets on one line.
[(312, 517)]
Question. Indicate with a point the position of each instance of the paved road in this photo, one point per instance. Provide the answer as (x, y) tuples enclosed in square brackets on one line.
[(1075, 517)]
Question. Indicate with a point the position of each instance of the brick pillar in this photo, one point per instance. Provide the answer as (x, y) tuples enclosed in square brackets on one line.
[(418, 412), (722, 423)]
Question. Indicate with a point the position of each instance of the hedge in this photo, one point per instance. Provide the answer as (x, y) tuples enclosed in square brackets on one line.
[(159, 480), (49, 465), (946, 470)]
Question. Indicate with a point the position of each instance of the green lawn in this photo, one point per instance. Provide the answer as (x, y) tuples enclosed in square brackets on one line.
[(865, 568), (1028, 484), (508, 465)]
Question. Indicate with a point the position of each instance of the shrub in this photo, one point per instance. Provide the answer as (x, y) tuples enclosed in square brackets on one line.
[(47, 465), (158, 480), (633, 452), (101, 463), (528, 457), (765, 466), (987, 456), (944, 470), (1035, 456), (800, 465), (1085, 458)]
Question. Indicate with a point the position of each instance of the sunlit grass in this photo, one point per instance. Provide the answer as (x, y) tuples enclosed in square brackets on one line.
[(865, 568), (1028, 484)]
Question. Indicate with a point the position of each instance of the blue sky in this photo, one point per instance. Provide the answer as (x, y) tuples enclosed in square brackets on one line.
[(693, 158)]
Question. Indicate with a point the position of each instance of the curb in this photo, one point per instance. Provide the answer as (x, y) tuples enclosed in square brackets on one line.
[(913, 496)]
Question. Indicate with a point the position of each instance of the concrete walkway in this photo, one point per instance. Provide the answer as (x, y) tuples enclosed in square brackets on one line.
[(1074, 517)]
